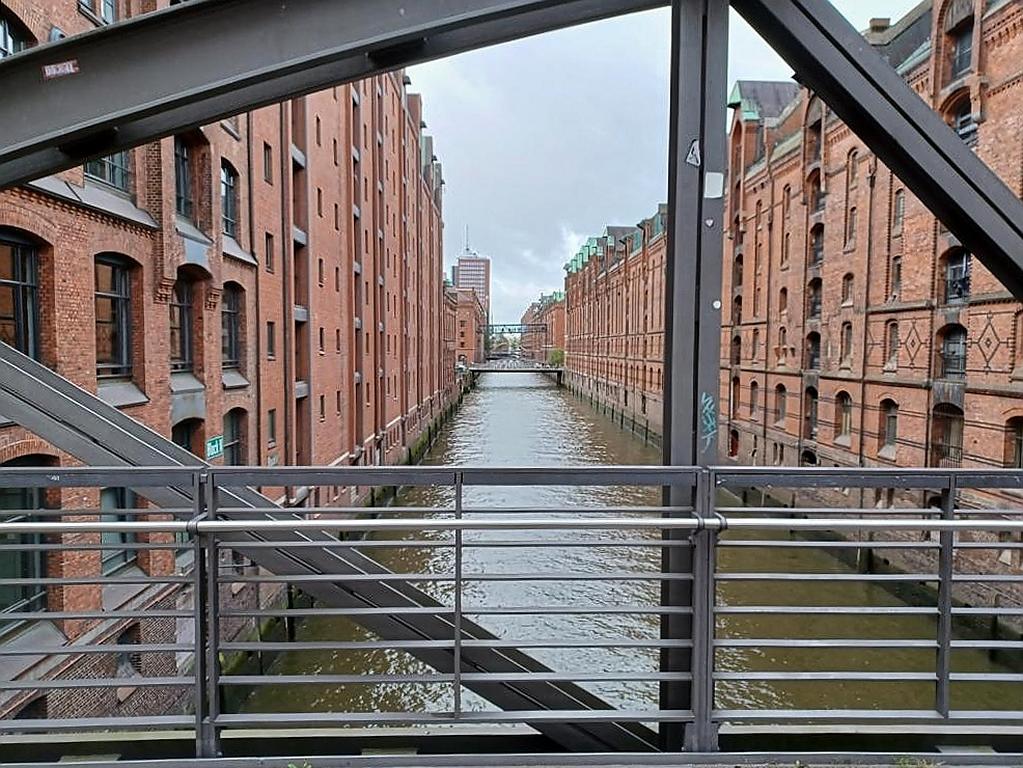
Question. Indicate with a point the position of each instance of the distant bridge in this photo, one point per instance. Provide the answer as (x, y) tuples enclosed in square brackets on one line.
[(517, 366)]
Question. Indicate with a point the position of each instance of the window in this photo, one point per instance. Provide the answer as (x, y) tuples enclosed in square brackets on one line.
[(947, 436), (319, 272), (229, 199), (786, 249), (754, 396), (20, 563), (12, 39), (114, 170), (850, 232), (183, 433), (268, 163), (337, 401), (953, 353), (892, 346), (271, 339), (852, 172), (813, 351), (113, 317), (108, 11), (234, 451), (182, 179), (786, 201), (896, 276), (323, 408), (736, 350), (810, 411), (847, 343), (847, 289), (898, 211), (19, 299), (888, 431), (817, 245), (963, 123), (756, 343), (962, 49), (783, 300), (780, 403), (813, 299), (230, 321), (271, 428), (1013, 443), (337, 340), (957, 276), (268, 257), (181, 326), (321, 341), (843, 415), (113, 502), (736, 394)]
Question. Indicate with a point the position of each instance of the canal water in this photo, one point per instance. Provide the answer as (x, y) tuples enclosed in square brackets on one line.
[(524, 420)]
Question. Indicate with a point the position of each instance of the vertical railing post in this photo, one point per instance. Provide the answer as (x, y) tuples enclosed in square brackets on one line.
[(701, 736), (946, 567), (692, 312), (457, 650), (199, 613), (212, 736)]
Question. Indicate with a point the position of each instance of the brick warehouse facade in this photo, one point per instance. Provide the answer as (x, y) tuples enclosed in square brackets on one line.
[(856, 331), (274, 280), (547, 345)]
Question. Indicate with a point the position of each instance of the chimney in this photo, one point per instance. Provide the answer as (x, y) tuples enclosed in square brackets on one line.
[(879, 24)]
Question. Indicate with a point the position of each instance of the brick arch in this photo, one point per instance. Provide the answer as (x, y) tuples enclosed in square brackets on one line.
[(29, 15), (34, 220), (953, 99), (29, 446)]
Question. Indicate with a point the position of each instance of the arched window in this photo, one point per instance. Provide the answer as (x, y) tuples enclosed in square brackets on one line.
[(960, 117), (737, 310), (843, 415), (19, 292), (181, 325), (235, 453), (22, 563), (813, 351), (850, 229), (780, 403), (959, 36), (759, 213), (186, 434), (895, 277), (952, 354), (947, 436), (786, 201), (817, 245), (888, 428), (114, 325), (1014, 443), (847, 288), (815, 193), (229, 199), (808, 459), (733, 443), (786, 249), (734, 396), (814, 293), (737, 273), (956, 269), (783, 300), (852, 169), (754, 396), (846, 344), (891, 345), (898, 211), (756, 344), (810, 404), (231, 316)]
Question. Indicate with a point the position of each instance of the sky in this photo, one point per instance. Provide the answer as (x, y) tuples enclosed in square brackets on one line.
[(547, 140)]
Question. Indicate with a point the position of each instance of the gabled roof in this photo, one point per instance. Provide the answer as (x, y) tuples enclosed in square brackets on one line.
[(762, 99)]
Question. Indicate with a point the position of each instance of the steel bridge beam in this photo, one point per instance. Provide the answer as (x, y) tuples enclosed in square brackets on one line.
[(189, 65)]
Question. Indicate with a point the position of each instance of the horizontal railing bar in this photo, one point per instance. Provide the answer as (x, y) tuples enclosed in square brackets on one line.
[(543, 523), (885, 716), (984, 644), (170, 546), (467, 677), (796, 576), (785, 642), (474, 577), (148, 722), (416, 718), (876, 677), (849, 544), (96, 682), (798, 513), (74, 650), (104, 580), (850, 610), (141, 613), (596, 610), (987, 611), (651, 543), (985, 677), (372, 645)]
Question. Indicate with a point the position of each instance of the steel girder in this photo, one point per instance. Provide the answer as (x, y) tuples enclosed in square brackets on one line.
[(191, 64)]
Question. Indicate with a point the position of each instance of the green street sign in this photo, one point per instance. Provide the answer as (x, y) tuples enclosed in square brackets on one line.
[(215, 447)]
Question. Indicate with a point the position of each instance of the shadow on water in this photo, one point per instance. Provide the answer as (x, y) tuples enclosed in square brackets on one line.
[(524, 420)]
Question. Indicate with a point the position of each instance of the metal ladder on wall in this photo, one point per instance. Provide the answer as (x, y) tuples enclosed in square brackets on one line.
[(98, 434)]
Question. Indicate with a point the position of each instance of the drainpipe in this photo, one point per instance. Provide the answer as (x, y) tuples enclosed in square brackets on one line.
[(259, 317), (871, 197)]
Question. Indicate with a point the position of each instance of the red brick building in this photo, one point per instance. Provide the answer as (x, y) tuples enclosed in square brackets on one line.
[(546, 345), (274, 280), (856, 329), (471, 328)]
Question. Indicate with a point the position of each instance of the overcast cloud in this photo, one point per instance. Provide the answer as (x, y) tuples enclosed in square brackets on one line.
[(545, 141)]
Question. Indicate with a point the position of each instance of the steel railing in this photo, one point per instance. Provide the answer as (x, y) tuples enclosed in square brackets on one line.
[(801, 614)]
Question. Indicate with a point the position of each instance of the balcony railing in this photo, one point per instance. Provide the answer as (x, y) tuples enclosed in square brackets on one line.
[(946, 455), (814, 308), (603, 632), (957, 289), (951, 364)]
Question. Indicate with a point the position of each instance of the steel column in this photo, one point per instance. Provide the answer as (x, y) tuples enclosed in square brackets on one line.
[(696, 158), (946, 570)]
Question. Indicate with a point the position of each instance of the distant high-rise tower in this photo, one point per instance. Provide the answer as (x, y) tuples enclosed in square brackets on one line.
[(473, 271)]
